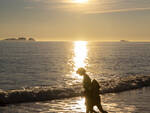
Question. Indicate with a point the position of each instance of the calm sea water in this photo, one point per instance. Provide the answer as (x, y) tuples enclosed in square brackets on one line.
[(30, 64), (35, 64)]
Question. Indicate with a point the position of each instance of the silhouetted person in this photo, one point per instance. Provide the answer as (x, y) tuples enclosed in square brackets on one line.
[(96, 100), (91, 92)]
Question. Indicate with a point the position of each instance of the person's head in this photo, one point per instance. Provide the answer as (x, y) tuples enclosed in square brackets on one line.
[(81, 71)]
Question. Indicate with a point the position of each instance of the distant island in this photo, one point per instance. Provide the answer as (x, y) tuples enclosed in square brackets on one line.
[(20, 39), (124, 41)]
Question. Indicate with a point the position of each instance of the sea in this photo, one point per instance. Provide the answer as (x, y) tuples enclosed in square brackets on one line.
[(40, 65)]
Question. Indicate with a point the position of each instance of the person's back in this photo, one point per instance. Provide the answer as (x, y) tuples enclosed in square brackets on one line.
[(95, 92), (87, 85), (96, 100), (95, 87)]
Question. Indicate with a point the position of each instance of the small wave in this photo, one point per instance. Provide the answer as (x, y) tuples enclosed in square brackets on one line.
[(48, 93), (35, 94), (124, 83)]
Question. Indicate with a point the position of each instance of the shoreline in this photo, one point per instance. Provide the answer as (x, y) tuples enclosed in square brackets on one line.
[(44, 94), (133, 101)]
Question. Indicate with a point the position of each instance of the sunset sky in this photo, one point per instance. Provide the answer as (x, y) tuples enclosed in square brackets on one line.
[(93, 20)]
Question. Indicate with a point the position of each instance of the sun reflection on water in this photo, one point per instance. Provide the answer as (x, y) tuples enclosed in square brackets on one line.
[(80, 56), (79, 60), (80, 106)]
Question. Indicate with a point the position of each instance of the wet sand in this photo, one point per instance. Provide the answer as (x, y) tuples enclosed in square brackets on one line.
[(134, 101)]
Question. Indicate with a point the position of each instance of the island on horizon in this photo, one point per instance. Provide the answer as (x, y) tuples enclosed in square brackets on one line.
[(124, 41), (20, 39)]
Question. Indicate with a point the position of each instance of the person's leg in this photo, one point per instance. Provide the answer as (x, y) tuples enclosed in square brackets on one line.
[(91, 105), (87, 104), (101, 109), (89, 108), (100, 106)]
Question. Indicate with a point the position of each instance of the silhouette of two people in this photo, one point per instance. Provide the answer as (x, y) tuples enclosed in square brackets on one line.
[(91, 92)]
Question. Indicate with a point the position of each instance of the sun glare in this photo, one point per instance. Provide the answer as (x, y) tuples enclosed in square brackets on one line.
[(80, 1), (80, 55)]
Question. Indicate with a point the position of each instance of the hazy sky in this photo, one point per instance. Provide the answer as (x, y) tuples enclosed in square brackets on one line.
[(69, 20)]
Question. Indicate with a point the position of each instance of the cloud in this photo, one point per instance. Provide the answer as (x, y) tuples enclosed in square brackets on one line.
[(117, 10), (95, 6)]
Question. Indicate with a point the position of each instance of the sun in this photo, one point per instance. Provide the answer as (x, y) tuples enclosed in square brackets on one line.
[(80, 1)]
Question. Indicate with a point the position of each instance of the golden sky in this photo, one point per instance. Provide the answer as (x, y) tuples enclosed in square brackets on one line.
[(93, 20)]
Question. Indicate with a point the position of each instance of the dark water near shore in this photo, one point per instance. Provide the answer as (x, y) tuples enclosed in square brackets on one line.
[(36, 65), (135, 101)]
